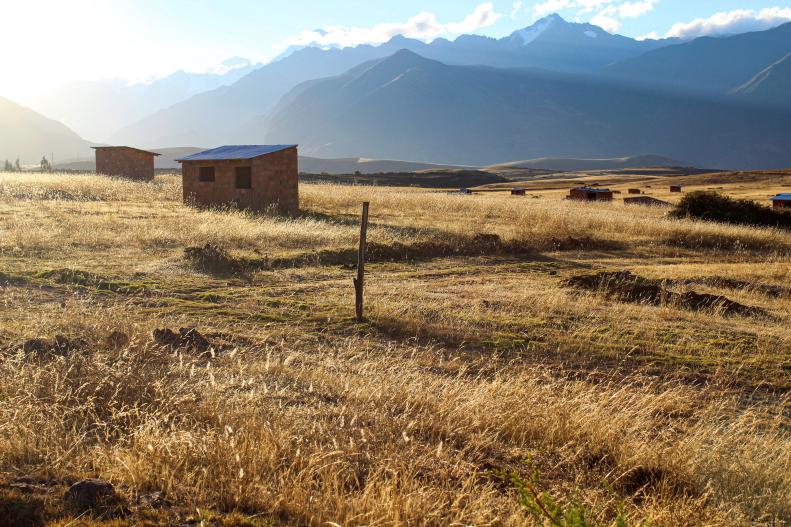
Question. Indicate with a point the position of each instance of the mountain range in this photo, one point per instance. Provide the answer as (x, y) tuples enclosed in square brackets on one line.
[(28, 135), (97, 109), (235, 113), (707, 65), (476, 115), (554, 89)]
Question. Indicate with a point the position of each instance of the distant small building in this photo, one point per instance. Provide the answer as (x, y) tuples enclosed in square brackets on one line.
[(254, 177), (590, 194), (125, 162), (634, 191), (518, 191), (646, 200), (675, 188), (782, 201)]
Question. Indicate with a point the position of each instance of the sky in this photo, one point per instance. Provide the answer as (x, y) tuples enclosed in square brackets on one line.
[(44, 43)]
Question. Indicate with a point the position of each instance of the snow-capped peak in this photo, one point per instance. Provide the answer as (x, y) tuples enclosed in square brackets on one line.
[(529, 34), (230, 64)]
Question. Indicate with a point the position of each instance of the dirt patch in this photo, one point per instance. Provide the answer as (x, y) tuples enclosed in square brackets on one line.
[(220, 262), (22, 508), (215, 260), (186, 339), (627, 287), (586, 243), (481, 244), (9, 280), (59, 346), (85, 280), (774, 291), (116, 340)]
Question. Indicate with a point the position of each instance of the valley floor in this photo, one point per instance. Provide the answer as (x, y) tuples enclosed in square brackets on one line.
[(478, 359)]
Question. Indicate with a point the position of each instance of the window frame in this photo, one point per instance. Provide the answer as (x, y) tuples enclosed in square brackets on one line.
[(203, 178), (247, 171)]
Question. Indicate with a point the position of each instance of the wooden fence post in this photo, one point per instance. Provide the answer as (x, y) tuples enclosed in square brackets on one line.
[(360, 280)]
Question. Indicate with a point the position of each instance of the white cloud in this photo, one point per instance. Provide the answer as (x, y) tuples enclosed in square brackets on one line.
[(636, 9), (423, 26), (516, 8), (732, 22), (588, 6), (606, 22), (551, 6)]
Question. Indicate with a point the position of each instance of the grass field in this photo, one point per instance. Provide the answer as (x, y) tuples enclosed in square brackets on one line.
[(476, 357)]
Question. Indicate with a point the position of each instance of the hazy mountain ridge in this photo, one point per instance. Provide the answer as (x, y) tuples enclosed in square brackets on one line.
[(713, 101), (708, 65), (28, 135), (235, 113), (771, 87), (572, 165), (407, 103), (167, 161), (97, 109)]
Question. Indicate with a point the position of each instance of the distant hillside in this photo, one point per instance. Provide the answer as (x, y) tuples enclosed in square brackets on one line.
[(711, 65), (29, 136), (237, 113), (350, 165), (478, 116), (771, 87), (442, 179), (97, 109), (573, 165)]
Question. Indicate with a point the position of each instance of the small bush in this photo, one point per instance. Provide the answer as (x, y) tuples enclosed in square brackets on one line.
[(712, 206), (545, 510)]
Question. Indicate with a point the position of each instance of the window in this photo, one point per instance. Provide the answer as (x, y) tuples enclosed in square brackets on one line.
[(206, 174), (244, 178)]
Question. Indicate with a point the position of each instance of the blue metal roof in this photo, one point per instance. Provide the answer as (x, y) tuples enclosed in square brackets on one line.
[(230, 152), (785, 196), (591, 189)]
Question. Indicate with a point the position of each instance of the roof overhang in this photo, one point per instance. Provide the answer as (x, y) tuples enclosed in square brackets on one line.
[(235, 152), (125, 148)]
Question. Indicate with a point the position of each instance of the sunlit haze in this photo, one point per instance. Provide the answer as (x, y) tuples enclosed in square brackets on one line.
[(45, 43)]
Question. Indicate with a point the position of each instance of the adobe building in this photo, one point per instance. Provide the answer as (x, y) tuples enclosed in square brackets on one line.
[(125, 162), (253, 177), (782, 201), (590, 194)]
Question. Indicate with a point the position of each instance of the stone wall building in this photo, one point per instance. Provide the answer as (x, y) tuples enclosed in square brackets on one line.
[(782, 201), (125, 162), (590, 194), (254, 177)]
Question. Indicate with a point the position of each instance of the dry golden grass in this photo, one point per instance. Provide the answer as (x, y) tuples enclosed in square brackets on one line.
[(467, 365)]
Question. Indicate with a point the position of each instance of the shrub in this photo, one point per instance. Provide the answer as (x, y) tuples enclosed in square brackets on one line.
[(545, 510), (712, 206)]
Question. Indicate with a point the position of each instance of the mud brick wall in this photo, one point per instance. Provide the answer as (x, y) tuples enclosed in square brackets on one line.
[(125, 162), (275, 183), (583, 195)]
